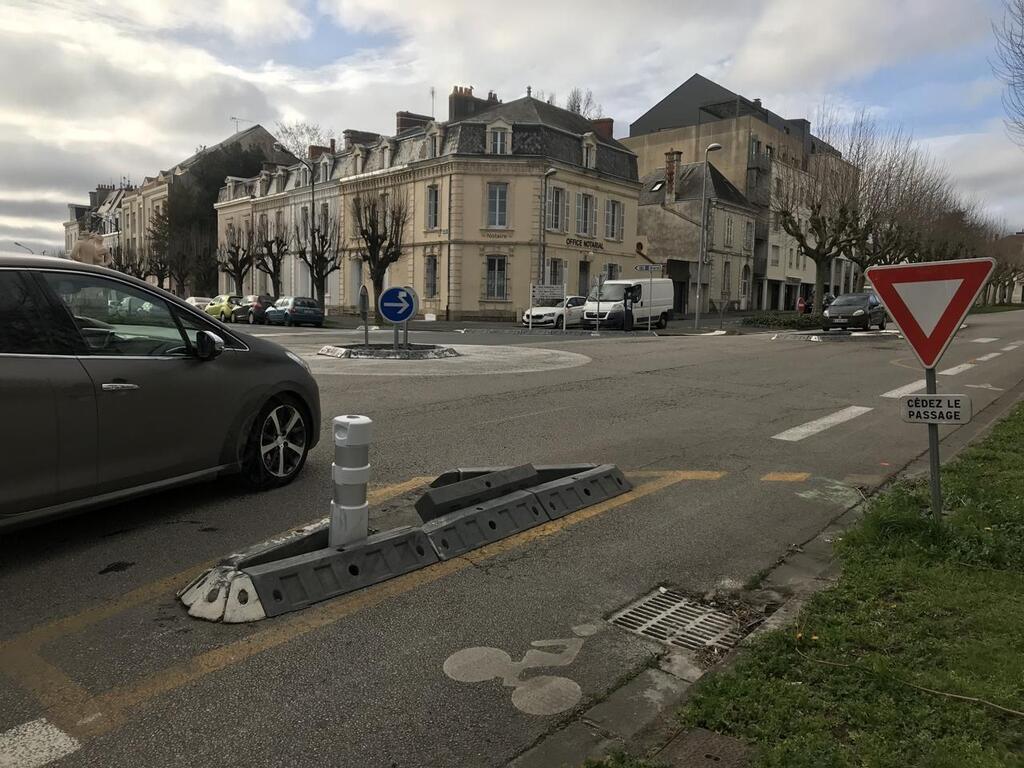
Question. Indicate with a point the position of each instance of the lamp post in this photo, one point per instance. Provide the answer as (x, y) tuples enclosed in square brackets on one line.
[(25, 247), (703, 228), (542, 256)]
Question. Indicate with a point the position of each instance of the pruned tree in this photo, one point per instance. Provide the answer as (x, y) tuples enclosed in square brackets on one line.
[(320, 251), (235, 257), (297, 135), (270, 257), (583, 103), (158, 235), (379, 222), (127, 260), (1009, 64)]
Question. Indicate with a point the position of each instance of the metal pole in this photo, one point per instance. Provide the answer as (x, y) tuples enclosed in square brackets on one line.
[(350, 473), (650, 296), (366, 332), (703, 235), (933, 450), (405, 334), (395, 326)]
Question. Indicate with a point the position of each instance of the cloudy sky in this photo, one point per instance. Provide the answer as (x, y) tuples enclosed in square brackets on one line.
[(97, 90)]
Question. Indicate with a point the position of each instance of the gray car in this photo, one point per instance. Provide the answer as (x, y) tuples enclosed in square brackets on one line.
[(854, 310), (111, 388)]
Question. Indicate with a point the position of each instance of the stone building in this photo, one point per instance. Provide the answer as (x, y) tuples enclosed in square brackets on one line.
[(499, 196)]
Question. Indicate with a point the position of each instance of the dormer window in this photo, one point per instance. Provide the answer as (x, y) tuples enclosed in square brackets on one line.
[(325, 168), (386, 154), (499, 138), (589, 151), (435, 145)]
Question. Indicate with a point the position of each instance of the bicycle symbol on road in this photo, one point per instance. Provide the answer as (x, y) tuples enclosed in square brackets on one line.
[(539, 695)]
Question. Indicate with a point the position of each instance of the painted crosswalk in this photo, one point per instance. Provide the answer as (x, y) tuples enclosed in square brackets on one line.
[(909, 389), (984, 340), (820, 425), (957, 369), (1010, 348), (989, 356), (35, 744)]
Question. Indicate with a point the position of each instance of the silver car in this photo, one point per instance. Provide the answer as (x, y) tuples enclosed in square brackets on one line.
[(111, 388)]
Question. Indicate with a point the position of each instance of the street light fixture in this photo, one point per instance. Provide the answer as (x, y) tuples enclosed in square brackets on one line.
[(703, 228), (25, 247), (541, 261)]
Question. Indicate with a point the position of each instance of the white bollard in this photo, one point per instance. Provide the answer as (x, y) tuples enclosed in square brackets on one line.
[(351, 473)]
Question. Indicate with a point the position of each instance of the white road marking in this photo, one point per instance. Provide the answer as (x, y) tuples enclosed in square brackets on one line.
[(989, 356), (35, 744), (956, 369), (984, 340), (1010, 348), (820, 425), (984, 386), (909, 389)]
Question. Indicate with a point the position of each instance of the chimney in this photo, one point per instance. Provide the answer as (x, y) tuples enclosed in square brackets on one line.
[(672, 160), (603, 127), (316, 150), (462, 103), (757, 103), (406, 120), (332, 146)]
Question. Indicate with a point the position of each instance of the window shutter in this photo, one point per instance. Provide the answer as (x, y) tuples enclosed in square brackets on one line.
[(549, 215), (609, 222), (622, 222), (579, 213), (592, 229), (565, 211)]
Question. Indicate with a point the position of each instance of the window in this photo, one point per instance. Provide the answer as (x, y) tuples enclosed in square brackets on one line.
[(748, 238), (612, 271), (613, 220), (745, 281), (324, 218), (497, 204), (775, 256), (557, 209), (498, 144), (728, 231), (726, 279), (657, 186), (430, 277), (304, 218), (23, 318), (496, 278), (278, 224), (433, 199), (115, 318), (777, 221), (790, 258), (586, 214), (263, 227), (778, 188), (556, 272)]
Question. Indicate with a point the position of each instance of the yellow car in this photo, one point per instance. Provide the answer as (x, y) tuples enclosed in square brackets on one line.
[(222, 306)]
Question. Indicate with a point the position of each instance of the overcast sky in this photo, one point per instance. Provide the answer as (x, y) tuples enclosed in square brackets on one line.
[(100, 89)]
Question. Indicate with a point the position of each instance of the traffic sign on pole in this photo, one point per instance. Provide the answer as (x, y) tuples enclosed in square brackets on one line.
[(396, 305), (929, 301)]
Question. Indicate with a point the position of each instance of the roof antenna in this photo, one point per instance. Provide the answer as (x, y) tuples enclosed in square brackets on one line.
[(529, 91), (432, 91)]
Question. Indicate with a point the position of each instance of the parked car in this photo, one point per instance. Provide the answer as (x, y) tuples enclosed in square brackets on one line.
[(608, 304), (558, 313), (854, 310), (252, 309), (222, 306), (199, 302), (295, 310), (105, 407)]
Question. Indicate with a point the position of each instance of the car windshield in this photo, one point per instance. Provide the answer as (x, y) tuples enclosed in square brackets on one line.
[(307, 303), (251, 299), (608, 292), (548, 302), (851, 300)]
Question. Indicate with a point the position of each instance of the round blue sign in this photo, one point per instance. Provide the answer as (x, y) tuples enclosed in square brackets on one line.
[(396, 305)]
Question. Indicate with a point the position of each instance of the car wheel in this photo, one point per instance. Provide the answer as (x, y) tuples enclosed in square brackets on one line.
[(288, 322), (277, 446), (252, 319), (225, 318), (559, 322), (881, 325), (318, 325), (662, 321)]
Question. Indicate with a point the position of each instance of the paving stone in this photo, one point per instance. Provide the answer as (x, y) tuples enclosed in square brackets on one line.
[(699, 748), (681, 664), (636, 704), (567, 748)]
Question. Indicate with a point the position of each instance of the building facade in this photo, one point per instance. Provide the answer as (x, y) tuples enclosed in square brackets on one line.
[(500, 196)]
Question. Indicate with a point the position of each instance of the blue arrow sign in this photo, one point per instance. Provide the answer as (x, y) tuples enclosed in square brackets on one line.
[(397, 305)]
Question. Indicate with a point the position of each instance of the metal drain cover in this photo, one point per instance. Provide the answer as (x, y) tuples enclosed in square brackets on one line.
[(673, 618)]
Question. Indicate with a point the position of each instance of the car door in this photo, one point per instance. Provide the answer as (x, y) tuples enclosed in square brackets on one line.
[(575, 310), (161, 412), (47, 404)]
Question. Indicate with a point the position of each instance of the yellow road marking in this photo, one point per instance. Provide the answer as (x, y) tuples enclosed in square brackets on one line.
[(73, 709), (785, 477), (689, 474)]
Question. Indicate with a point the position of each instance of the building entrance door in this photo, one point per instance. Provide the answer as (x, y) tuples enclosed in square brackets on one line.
[(584, 281)]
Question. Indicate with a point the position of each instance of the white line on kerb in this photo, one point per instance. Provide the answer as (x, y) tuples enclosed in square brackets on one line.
[(989, 356), (984, 340), (1010, 348), (34, 744), (956, 369), (909, 389), (820, 425)]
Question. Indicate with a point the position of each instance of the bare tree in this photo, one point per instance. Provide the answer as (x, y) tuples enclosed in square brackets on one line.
[(127, 260), (297, 136), (379, 222), (158, 235), (235, 258), (1009, 67), (583, 103), (270, 258), (321, 253)]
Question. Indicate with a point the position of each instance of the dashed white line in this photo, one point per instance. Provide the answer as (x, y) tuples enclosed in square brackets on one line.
[(1010, 348), (984, 340), (956, 369), (989, 356), (820, 425), (35, 744), (909, 389)]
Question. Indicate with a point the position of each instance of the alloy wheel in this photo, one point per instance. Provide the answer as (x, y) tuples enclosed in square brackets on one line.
[(283, 440)]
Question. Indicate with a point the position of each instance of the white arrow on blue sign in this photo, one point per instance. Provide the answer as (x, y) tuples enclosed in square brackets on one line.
[(396, 305)]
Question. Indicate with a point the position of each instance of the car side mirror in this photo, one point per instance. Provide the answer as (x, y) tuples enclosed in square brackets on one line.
[(208, 345)]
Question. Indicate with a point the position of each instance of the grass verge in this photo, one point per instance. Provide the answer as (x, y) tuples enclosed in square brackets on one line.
[(939, 607), (985, 310)]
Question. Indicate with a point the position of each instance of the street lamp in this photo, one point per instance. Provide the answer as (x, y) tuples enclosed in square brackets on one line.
[(543, 224), (703, 227), (25, 247)]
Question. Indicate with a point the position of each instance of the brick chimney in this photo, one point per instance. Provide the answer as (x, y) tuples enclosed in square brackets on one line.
[(603, 127), (315, 150), (406, 120), (672, 160), (462, 103)]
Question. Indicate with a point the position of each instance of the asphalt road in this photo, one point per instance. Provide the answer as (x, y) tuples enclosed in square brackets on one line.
[(93, 640)]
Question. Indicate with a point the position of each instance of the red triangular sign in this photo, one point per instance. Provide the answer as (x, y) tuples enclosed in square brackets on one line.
[(929, 301)]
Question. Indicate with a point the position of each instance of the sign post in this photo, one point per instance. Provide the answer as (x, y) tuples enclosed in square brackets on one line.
[(364, 312), (397, 306), (928, 302), (650, 270)]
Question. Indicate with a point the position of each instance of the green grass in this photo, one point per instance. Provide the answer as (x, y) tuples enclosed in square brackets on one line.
[(620, 760), (978, 309), (775, 319), (939, 607)]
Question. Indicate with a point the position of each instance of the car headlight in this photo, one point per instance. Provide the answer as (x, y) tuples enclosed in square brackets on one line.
[(858, 313), (549, 314), (826, 314), (297, 359)]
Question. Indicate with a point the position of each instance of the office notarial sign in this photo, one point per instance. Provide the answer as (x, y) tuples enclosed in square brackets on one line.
[(935, 409), (575, 242)]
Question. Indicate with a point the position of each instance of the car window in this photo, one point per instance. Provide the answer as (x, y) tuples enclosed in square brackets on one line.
[(282, 302), (23, 318), (192, 325), (309, 303), (115, 318)]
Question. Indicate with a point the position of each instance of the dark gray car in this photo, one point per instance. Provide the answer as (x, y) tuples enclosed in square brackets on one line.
[(111, 388), (854, 310)]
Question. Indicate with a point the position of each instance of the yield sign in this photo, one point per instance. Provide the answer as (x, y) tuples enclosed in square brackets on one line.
[(929, 301)]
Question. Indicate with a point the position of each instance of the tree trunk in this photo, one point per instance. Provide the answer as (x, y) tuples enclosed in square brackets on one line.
[(861, 277), (320, 290), (820, 270), (378, 289), (239, 279), (275, 283)]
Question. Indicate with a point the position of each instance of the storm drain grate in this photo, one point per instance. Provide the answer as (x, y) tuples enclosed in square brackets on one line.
[(673, 618)]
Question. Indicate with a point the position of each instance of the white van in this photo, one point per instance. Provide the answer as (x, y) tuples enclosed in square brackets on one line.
[(651, 298)]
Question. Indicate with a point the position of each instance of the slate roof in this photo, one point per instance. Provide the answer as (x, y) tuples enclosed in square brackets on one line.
[(689, 180)]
